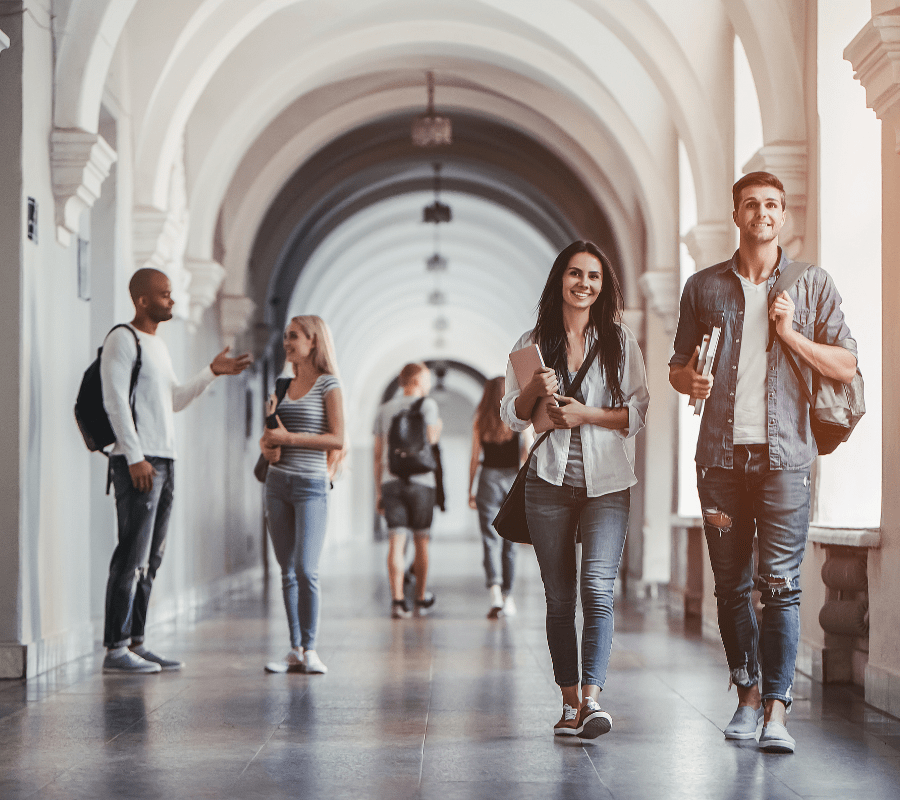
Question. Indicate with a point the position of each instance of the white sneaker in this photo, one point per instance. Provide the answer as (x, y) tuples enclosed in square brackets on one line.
[(293, 662), (313, 664), (128, 663), (509, 607)]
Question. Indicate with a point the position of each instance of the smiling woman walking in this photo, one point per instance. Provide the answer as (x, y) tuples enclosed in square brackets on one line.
[(581, 475)]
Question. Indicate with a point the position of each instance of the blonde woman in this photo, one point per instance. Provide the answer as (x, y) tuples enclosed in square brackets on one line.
[(499, 452), (304, 449)]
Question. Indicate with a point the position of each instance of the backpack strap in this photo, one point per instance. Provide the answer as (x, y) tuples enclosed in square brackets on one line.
[(786, 279), (132, 384), (281, 387)]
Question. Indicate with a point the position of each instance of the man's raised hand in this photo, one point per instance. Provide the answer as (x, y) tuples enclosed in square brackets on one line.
[(223, 364)]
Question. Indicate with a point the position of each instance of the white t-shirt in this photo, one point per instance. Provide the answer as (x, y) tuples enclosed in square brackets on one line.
[(750, 395), (157, 395), (383, 426)]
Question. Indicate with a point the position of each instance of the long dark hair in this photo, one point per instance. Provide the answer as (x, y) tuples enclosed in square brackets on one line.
[(550, 333), (487, 417)]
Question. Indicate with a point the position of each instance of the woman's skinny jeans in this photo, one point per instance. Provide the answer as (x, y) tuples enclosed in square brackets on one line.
[(499, 554), (552, 513), (296, 509)]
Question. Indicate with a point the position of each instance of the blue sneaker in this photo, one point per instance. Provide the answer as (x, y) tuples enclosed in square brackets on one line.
[(775, 739), (744, 723)]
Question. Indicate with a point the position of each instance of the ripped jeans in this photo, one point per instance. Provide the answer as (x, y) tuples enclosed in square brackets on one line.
[(773, 504)]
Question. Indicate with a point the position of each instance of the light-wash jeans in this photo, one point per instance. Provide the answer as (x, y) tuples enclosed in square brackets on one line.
[(499, 554), (296, 509), (553, 513), (737, 503)]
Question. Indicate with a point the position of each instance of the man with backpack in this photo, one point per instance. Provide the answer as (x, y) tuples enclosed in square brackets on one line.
[(405, 430), (756, 445), (142, 463)]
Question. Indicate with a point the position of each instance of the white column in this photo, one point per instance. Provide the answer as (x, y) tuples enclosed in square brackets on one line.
[(206, 278), (660, 290), (875, 55), (236, 311), (711, 242)]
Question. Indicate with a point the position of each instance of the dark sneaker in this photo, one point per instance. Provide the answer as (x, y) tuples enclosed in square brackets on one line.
[(568, 722), (166, 664), (128, 663), (400, 609), (775, 739), (593, 721), (424, 605), (744, 723)]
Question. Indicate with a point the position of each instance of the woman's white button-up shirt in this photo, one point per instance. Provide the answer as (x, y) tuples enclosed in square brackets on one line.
[(608, 454)]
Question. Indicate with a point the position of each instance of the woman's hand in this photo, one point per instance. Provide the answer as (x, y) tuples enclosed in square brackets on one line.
[(270, 454), (276, 437), (271, 404), (568, 412), (543, 383)]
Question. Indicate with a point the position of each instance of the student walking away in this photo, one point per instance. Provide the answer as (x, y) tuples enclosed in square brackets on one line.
[(405, 429), (142, 464), (499, 452), (755, 446), (581, 475), (304, 445)]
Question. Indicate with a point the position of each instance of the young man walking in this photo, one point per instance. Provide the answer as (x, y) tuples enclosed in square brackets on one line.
[(142, 464), (755, 447), (406, 500)]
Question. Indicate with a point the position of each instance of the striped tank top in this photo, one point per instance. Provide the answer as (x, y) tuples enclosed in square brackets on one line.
[(306, 415)]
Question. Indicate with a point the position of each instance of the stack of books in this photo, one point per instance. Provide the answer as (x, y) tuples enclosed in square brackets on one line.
[(705, 361)]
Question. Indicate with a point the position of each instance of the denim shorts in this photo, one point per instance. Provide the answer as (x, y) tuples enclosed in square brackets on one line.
[(407, 505)]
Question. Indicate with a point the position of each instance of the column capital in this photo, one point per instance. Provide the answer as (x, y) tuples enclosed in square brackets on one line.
[(79, 163), (660, 289), (155, 237), (235, 314), (710, 242), (787, 160), (206, 278), (875, 56)]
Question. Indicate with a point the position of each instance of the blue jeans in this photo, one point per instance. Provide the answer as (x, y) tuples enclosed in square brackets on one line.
[(553, 512), (296, 509), (737, 503), (142, 520), (499, 554)]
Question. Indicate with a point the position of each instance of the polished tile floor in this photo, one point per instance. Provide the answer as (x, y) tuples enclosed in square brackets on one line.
[(449, 706)]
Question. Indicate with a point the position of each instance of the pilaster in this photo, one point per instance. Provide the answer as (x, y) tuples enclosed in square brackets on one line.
[(875, 56), (788, 161), (80, 162), (710, 243), (155, 237)]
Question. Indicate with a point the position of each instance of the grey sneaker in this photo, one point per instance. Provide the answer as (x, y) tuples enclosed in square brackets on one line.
[(775, 739), (424, 605), (128, 663), (593, 721), (166, 664), (744, 723)]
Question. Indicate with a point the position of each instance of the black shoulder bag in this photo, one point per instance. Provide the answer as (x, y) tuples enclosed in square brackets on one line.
[(261, 470), (834, 407), (511, 522)]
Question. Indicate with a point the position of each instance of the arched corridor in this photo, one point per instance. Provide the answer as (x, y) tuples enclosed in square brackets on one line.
[(259, 152), (448, 706)]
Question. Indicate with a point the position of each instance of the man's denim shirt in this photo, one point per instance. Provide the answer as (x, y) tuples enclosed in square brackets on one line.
[(714, 296)]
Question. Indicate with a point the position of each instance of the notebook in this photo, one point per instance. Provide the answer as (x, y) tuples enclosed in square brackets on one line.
[(524, 363)]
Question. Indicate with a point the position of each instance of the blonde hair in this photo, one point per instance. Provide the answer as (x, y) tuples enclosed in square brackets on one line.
[(324, 360), (487, 416)]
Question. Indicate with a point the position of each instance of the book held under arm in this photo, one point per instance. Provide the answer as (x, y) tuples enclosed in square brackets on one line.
[(524, 363), (705, 361)]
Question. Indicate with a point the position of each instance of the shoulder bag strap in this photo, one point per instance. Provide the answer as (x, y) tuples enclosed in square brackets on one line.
[(788, 277), (573, 389)]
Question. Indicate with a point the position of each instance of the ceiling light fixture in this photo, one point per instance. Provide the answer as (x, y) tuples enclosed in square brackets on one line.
[(428, 129)]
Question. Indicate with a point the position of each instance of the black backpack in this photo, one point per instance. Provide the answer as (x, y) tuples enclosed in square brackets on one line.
[(409, 451), (90, 414)]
